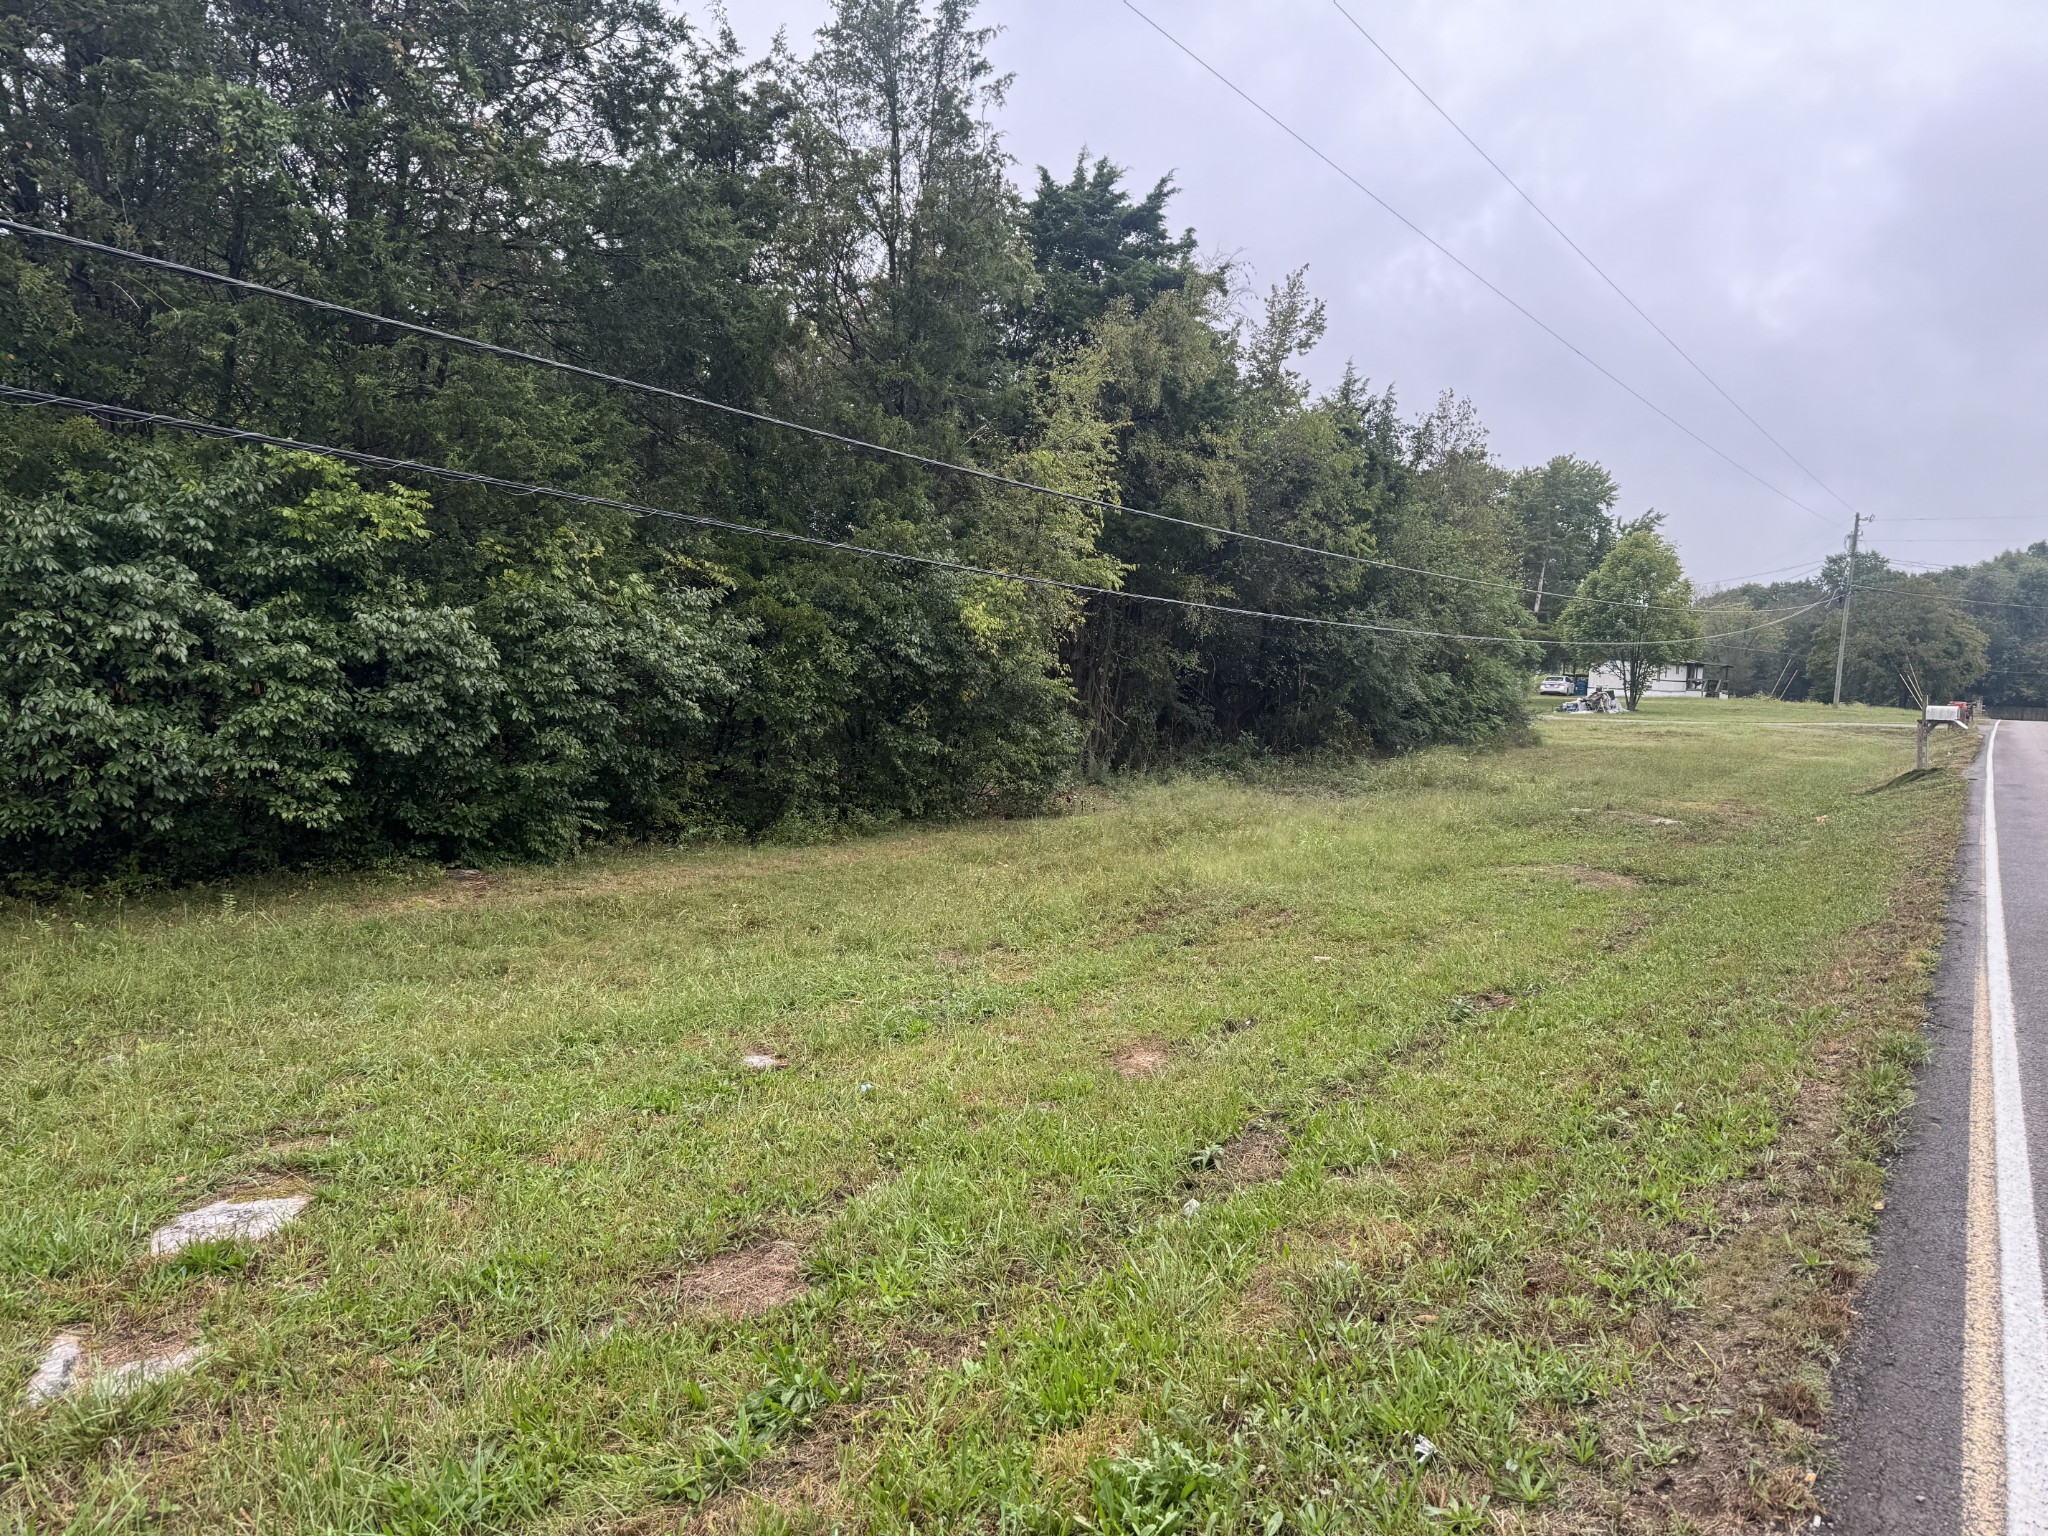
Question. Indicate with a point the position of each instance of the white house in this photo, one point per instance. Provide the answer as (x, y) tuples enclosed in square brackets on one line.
[(1682, 680)]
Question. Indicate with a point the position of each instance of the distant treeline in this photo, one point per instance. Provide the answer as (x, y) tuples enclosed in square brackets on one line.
[(1970, 631), (217, 658)]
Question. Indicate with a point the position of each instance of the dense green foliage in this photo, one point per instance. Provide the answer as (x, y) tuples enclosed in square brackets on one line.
[(836, 239), (1907, 643), (239, 662), (1565, 512), (1970, 631)]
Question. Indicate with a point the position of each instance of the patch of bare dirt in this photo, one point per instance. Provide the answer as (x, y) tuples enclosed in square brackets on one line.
[(744, 1283), (1585, 875), (1256, 1156), (1161, 913), (1624, 933), (797, 1489), (261, 1184), (130, 1341), (1483, 1002), (1634, 818), (1270, 918), (661, 1520), (806, 1476), (1142, 1058), (1064, 1456), (1734, 815), (586, 1145), (1009, 966), (294, 1146), (1600, 879), (128, 1355)]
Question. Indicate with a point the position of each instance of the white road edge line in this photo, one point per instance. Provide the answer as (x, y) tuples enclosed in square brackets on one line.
[(2019, 1243)]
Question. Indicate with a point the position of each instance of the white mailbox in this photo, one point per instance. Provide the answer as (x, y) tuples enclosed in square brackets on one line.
[(1944, 714)]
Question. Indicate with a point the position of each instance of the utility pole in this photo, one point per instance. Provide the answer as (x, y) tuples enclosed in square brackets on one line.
[(1537, 611), (1848, 595)]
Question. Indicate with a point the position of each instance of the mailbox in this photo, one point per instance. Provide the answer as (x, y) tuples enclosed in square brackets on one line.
[(1944, 714)]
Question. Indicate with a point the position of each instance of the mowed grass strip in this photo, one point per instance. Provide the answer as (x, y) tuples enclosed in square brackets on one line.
[(1357, 1149)]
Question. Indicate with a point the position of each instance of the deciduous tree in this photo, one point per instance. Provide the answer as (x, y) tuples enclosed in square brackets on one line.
[(1634, 611), (1907, 628)]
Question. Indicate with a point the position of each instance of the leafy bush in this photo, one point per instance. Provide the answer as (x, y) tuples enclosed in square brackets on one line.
[(212, 663)]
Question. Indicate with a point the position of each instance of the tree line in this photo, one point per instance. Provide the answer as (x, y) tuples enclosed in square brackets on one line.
[(1964, 632), (216, 658)]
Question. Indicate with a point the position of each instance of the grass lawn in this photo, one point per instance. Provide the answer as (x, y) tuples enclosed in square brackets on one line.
[(1462, 1142)]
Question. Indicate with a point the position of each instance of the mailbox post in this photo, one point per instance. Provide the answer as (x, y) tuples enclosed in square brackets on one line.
[(1931, 716)]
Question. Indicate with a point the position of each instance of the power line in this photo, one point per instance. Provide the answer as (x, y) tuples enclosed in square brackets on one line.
[(1746, 608), (764, 418), (1987, 602), (539, 359), (517, 355), (1471, 271), (1804, 566), (1922, 568), (641, 509), (1579, 251)]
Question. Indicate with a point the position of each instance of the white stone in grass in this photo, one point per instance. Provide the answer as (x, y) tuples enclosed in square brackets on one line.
[(58, 1370), (760, 1061), (119, 1380), (64, 1371), (227, 1221)]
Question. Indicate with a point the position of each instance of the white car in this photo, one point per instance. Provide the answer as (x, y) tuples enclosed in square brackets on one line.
[(1557, 685)]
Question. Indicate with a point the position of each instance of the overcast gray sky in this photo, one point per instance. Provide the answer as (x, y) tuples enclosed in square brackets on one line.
[(1839, 209)]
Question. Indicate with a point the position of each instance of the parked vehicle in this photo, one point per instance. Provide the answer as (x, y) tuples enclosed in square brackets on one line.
[(1558, 685)]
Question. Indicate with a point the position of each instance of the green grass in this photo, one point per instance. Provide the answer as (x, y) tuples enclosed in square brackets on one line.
[(1474, 1109)]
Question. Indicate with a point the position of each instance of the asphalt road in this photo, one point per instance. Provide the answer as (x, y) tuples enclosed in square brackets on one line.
[(1941, 1419)]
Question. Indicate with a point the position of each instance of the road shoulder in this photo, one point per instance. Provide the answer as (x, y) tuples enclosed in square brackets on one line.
[(1896, 1429)]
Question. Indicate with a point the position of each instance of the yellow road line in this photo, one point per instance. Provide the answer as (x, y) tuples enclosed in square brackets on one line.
[(1983, 1342)]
